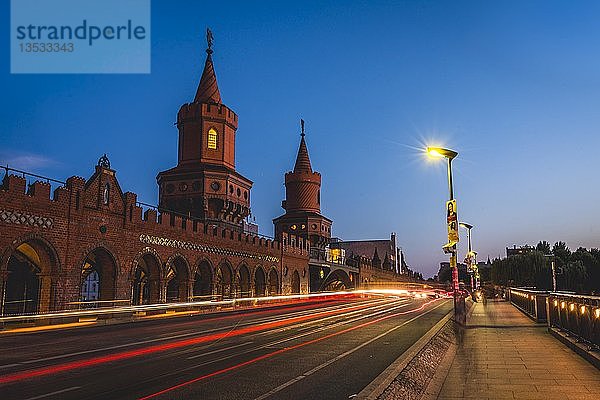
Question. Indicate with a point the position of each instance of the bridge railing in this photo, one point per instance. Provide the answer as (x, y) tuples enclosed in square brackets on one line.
[(532, 302), (577, 315)]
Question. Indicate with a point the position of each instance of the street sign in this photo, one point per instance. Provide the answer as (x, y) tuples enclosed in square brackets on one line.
[(452, 220)]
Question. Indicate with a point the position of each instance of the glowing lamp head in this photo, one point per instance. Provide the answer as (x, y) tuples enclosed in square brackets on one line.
[(439, 152), (433, 153)]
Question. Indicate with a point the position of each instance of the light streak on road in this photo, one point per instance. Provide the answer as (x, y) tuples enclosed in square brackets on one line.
[(76, 365), (240, 302), (280, 351)]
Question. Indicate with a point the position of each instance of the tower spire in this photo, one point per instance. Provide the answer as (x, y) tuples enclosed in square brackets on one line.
[(302, 159), (208, 89)]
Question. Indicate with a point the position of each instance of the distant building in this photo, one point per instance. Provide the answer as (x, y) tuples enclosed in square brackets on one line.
[(384, 253), (515, 251), (445, 273)]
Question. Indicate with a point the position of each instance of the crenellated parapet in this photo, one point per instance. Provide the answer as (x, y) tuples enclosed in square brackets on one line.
[(32, 206), (36, 192), (190, 112)]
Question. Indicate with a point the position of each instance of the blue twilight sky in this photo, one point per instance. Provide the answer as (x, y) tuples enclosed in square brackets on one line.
[(513, 86)]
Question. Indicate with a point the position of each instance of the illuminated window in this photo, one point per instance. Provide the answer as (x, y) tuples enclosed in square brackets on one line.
[(212, 139)]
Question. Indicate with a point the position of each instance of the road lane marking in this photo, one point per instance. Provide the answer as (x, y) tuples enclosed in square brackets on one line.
[(54, 393), (9, 365), (339, 357), (269, 355)]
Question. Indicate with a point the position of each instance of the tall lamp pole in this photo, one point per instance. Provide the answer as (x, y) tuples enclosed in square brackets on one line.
[(452, 220), (470, 256)]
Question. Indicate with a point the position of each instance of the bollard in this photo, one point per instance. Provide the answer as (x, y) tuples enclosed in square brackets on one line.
[(460, 315)]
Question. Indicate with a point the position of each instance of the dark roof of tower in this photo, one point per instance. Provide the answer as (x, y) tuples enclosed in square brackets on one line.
[(376, 256), (208, 89), (386, 260), (302, 160)]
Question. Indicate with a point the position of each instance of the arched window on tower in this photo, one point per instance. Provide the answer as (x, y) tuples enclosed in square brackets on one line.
[(212, 138), (106, 194), (319, 197)]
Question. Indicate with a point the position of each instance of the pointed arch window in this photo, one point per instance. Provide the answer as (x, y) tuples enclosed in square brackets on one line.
[(212, 138), (106, 194)]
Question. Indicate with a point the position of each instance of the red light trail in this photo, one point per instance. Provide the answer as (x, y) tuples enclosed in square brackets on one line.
[(22, 375), (274, 353)]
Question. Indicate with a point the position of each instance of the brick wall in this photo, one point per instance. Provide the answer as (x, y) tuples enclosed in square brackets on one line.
[(65, 228)]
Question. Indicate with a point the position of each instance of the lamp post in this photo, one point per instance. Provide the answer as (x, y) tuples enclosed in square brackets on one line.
[(470, 253), (450, 247), (553, 266)]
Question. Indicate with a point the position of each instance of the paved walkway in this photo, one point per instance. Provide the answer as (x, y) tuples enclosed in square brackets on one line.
[(504, 355)]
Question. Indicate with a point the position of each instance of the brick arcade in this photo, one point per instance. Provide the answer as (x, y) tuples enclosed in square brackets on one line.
[(92, 242)]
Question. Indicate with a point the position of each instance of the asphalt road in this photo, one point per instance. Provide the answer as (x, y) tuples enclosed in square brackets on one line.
[(328, 350)]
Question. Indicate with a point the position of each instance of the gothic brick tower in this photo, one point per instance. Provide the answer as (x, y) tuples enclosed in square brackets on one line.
[(302, 202), (205, 185)]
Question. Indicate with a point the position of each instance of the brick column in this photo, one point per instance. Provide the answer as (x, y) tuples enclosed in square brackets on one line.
[(44, 292)]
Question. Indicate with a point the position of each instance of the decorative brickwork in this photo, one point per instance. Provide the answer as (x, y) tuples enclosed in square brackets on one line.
[(23, 218), (178, 244)]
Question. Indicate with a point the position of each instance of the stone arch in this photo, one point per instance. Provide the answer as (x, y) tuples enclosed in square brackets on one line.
[(337, 280), (243, 280), (98, 280), (176, 278), (145, 276), (260, 282), (295, 282), (203, 280), (224, 285), (273, 282), (30, 267)]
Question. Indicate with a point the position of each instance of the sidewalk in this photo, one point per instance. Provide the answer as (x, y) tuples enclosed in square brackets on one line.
[(502, 354)]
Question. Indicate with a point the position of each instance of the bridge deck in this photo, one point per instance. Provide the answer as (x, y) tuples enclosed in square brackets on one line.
[(504, 355)]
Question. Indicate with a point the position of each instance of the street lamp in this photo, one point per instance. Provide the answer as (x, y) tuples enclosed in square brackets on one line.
[(438, 152), (452, 220), (553, 265), (470, 253)]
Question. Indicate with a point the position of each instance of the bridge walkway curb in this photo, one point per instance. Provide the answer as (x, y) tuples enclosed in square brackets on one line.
[(377, 387)]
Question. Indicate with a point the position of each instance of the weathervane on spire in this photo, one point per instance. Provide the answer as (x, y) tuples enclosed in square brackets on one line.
[(302, 125), (209, 40)]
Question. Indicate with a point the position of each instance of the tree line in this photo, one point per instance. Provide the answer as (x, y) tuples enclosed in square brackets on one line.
[(577, 271)]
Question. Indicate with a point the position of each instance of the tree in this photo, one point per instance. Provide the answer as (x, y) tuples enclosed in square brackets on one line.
[(543, 247), (562, 253), (577, 271), (445, 273), (594, 272)]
